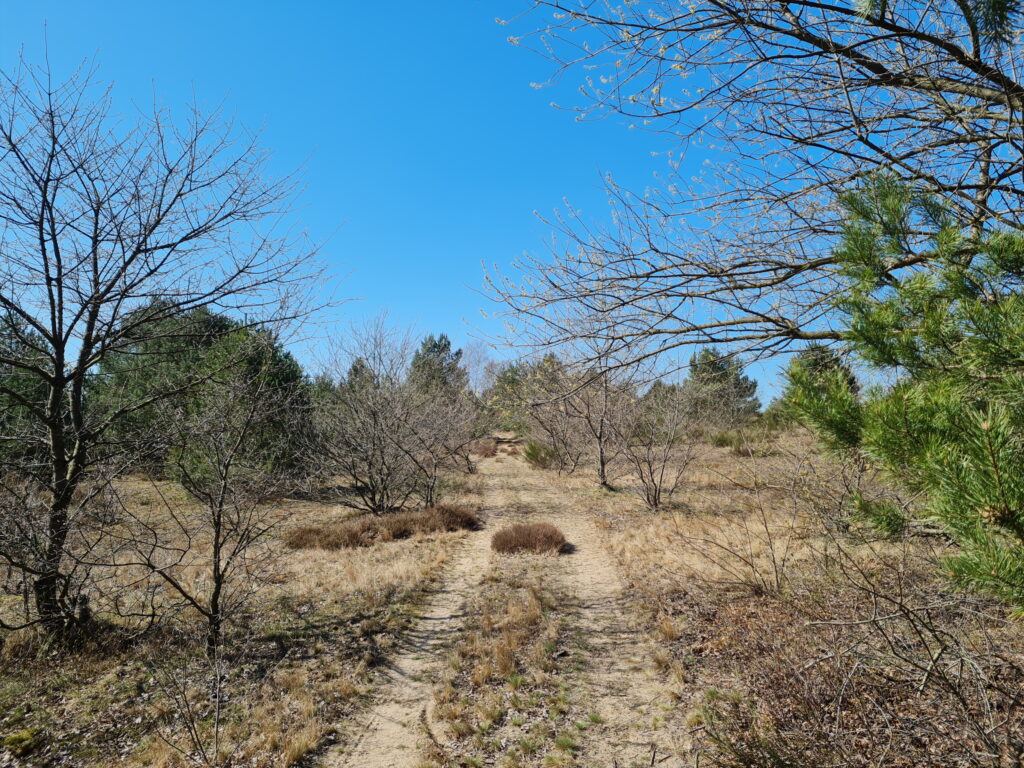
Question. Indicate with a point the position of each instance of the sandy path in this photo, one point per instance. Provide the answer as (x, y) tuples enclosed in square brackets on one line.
[(391, 734), (617, 683)]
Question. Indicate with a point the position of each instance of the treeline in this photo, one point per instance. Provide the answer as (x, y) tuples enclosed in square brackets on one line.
[(622, 420), (225, 411), (222, 409)]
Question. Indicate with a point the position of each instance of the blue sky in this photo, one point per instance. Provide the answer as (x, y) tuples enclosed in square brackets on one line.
[(423, 147)]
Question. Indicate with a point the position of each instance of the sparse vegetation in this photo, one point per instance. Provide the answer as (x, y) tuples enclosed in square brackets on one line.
[(485, 449), (769, 614), (212, 557), (540, 456), (504, 680), (303, 661)]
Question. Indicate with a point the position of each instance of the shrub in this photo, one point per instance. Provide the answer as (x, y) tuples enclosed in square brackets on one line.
[(453, 517), (540, 456), (365, 531), (486, 449), (725, 439), (343, 535), (529, 537)]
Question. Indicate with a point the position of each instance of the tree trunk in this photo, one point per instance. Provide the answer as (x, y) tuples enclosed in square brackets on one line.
[(54, 614), (213, 633)]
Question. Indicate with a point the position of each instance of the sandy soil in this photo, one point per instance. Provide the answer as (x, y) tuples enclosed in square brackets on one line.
[(615, 682), (619, 682)]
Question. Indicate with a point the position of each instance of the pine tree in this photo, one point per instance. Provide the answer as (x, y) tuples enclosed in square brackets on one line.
[(22, 445), (821, 362), (721, 382), (505, 401), (435, 366), (952, 426), (198, 354)]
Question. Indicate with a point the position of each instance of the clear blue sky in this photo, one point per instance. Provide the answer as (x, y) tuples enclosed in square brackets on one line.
[(425, 150)]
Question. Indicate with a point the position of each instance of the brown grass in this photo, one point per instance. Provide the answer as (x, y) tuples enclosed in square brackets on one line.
[(538, 538), (507, 674), (367, 530), (485, 449), (300, 663), (790, 635)]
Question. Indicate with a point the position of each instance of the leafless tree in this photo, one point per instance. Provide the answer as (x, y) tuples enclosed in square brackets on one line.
[(207, 550), (364, 413), (107, 231), (660, 435), (788, 105), (24, 511), (390, 436), (598, 404), (479, 366), (545, 390), (437, 435)]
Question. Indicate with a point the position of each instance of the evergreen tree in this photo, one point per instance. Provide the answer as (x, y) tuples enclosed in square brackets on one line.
[(952, 426), (820, 370), (23, 444), (505, 400), (435, 366), (821, 361), (209, 353), (721, 382)]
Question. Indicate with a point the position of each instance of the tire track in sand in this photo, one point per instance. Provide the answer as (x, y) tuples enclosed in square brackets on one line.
[(391, 734)]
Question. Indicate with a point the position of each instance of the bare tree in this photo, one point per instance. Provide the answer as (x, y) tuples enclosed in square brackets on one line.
[(790, 105), (437, 435), (479, 366), (660, 436), (365, 411), (598, 404), (206, 551), (106, 231), (545, 389), (391, 435)]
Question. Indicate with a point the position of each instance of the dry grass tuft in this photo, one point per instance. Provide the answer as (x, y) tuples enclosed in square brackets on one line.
[(365, 531), (538, 538), (485, 449), (506, 680)]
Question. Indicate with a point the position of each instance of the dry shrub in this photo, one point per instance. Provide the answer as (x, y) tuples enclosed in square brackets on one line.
[(864, 670), (365, 531), (455, 517), (343, 535), (529, 537), (485, 449), (540, 456)]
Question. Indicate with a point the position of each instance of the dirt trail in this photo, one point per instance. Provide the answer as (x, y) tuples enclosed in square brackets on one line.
[(619, 683), (391, 734), (616, 684)]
